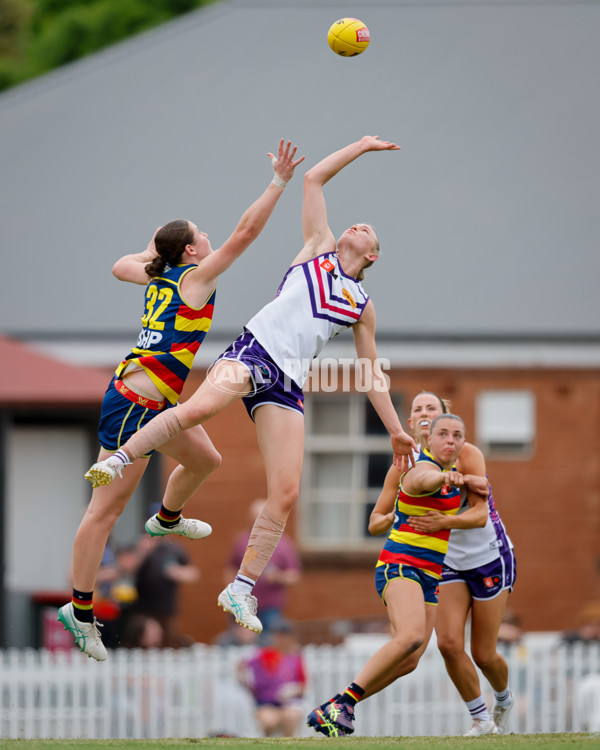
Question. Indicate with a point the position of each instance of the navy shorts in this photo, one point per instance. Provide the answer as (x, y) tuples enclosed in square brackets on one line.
[(270, 384), (123, 415), (388, 572), (487, 581)]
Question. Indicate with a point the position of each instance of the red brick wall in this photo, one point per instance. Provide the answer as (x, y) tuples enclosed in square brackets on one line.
[(550, 505)]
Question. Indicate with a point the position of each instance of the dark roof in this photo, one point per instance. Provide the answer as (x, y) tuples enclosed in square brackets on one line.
[(488, 217), (29, 379)]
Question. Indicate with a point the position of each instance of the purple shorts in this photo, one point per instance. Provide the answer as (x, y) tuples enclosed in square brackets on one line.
[(270, 384), (487, 581)]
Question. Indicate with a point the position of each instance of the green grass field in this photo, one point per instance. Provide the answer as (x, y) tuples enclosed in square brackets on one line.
[(536, 741)]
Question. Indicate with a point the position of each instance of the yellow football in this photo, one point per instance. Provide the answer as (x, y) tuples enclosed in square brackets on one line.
[(348, 37)]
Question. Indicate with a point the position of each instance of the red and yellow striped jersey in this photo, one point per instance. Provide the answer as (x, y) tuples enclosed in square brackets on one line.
[(172, 332), (405, 545)]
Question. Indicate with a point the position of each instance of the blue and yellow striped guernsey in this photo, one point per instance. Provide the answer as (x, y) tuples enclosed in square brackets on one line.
[(172, 332), (405, 545)]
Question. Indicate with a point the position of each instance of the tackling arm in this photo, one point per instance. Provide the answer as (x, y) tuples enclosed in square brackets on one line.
[(378, 387), (382, 515)]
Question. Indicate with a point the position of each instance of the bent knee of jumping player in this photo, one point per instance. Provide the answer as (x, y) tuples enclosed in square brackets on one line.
[(205, 403), (201, 463), (101, 519), (282, 497)]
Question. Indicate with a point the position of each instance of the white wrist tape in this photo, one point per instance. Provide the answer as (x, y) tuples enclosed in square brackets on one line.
[(278, 181)]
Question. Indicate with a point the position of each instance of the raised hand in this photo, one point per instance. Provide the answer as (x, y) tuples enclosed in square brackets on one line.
[(284, 164), (372, 143)]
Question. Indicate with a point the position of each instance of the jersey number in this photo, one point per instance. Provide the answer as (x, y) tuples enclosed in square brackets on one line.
[(154, 296)]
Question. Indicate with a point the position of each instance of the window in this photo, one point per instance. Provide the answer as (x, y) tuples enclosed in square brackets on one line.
[(505, 422), (348, 454)]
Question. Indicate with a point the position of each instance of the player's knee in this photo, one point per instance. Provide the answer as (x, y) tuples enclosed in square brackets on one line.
[(483, 658), (287, 493), (449, 647), (106, 520), (193, 413), (213, 460), (408, 643)]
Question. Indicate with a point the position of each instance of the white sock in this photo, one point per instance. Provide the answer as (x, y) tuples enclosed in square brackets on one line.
[(121, 456), (242, 585), (503, 698), (478, 709)]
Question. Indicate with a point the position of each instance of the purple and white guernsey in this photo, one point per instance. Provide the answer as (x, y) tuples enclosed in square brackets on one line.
[(315, 301), (472, 548)]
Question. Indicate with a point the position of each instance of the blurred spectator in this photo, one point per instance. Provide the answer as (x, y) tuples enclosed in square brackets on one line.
[(282, 571), (276, 677), (123, 589), (235, 636), (164, 567), (588, 629), (143, 632)]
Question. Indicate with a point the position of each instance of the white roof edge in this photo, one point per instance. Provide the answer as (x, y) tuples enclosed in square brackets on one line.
[(400, 354)]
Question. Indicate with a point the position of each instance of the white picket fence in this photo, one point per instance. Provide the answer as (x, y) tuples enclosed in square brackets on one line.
[(194, 692)]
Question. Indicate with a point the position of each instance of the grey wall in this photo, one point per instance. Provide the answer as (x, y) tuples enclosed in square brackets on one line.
[(495, 192)]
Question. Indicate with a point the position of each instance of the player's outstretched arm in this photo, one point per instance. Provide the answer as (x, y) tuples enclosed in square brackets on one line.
[(318, 237), (255, 217)]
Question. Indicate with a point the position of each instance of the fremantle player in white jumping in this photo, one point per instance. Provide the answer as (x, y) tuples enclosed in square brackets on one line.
[(267, 366)]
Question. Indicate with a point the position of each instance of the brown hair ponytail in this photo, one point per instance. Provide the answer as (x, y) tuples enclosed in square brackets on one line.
[(170, 242)]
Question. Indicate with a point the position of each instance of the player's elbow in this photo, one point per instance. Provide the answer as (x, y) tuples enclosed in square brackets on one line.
[(378, 525), (312, 177), (118, 271), (248, 232)]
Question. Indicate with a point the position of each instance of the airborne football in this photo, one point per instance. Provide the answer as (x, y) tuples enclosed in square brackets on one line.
[(348, 37)]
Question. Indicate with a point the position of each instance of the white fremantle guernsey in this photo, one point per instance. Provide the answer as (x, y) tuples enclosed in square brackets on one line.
[(471, 548), (315, 301)]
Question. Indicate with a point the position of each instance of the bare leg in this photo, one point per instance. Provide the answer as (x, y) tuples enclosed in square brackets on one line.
[(193, 449), (197, 458), (281, 441), (269, 718), (455, 602), (290, 720), (408, 664), (407, 613), (227, 381), (485, 622), (102, 513)]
